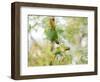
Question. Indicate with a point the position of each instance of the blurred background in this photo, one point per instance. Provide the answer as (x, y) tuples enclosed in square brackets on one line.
[(55, 40)]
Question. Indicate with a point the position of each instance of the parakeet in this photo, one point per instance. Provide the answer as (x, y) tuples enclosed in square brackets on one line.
[(52, 35), (61, 49), (51, 32)]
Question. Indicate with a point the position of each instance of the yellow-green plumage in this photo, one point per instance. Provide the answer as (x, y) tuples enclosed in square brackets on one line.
[(51, 33)]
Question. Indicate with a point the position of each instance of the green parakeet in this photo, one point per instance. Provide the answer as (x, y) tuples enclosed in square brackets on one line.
[(61, 49), (51, 32)]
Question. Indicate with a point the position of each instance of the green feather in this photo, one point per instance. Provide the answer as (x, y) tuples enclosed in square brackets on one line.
[(51, 35)]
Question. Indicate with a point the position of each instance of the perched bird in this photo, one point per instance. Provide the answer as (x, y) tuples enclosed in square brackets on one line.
[(52, 35), (51, 32), (61, 49)]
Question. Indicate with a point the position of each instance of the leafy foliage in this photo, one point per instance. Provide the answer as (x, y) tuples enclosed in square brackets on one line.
[(63, 42)]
